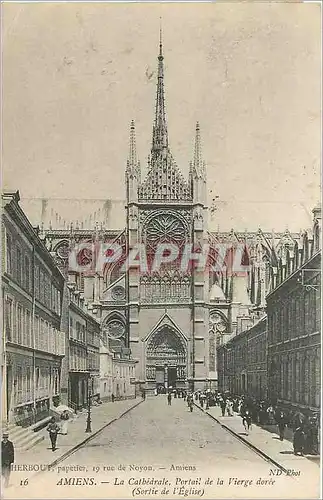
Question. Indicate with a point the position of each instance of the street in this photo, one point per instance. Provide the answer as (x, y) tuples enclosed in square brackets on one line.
[(160, 435), (159, 450)]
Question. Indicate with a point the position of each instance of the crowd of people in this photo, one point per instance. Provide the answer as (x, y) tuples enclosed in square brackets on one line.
[(304, 425)]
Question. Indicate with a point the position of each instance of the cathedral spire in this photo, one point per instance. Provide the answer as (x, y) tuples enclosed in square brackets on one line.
[(198, 164), (133, 165), (132, 145), (160, 134)]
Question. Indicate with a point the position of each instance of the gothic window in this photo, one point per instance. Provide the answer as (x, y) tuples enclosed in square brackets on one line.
[(62, 250), (115, 329), (118, 293), (165, 228), (217, 322), (113, 271), (114, 332)]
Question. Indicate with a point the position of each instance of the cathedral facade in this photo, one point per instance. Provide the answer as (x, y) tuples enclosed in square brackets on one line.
[(169, 317), (167, 307)]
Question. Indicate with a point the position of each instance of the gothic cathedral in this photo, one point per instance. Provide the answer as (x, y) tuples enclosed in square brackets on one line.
[(170, 317), (168, 314)]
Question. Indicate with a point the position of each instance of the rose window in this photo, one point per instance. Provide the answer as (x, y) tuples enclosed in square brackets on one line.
[(165, 228), (118, 293), (115, 329)]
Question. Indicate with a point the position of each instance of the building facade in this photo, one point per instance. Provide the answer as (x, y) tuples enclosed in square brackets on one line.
[(34, 345), (117, 374), (278, 357), (294, 324), (242, 362), (81, 365)]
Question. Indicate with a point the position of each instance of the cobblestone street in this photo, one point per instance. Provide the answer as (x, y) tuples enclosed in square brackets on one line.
[(176, 448)]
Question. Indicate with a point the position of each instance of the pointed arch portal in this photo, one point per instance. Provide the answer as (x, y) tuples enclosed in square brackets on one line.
[(166, 359)]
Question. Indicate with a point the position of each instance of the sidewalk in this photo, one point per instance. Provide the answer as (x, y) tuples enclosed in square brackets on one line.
[(268, 444), (42, 454)]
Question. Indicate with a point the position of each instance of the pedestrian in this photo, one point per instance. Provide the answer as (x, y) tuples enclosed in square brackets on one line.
[(299, 441), (169, 398), (271, 415), (298, 420), (262, 413), (112, 398), (53, 430), (156, 392), (310, 439), (281, 425), (223, 406), (315, 432), (64, 418), (7, 457), (246, 420), (229, 408)]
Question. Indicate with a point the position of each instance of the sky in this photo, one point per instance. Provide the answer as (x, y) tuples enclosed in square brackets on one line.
[(75, 75)]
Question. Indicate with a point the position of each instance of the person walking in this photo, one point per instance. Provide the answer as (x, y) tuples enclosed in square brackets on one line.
[(64, 418), (271, 415), (53, 430), (281, 421), (229, 408), (246, 421), (223, 406), (169, 398), (299, 441), (7, 457)]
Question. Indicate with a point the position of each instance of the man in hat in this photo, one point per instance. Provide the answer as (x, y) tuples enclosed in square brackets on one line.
[(7, 457)]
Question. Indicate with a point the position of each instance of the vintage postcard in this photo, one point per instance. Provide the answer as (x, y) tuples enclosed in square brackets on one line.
[(161, 250)]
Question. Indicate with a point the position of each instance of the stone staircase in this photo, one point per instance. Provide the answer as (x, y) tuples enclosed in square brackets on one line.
[(23, 438)]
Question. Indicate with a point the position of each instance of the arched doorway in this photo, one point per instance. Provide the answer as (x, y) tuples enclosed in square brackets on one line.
[(166, 359)]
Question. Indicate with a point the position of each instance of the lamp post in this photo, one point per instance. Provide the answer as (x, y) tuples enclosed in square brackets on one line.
[(88, 421)]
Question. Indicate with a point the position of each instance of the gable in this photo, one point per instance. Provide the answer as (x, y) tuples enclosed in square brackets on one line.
[(164, 181)]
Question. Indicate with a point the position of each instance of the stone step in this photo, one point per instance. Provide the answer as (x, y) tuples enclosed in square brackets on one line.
[(17, 432), (29, 440), (25, 438), (7, 427)]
